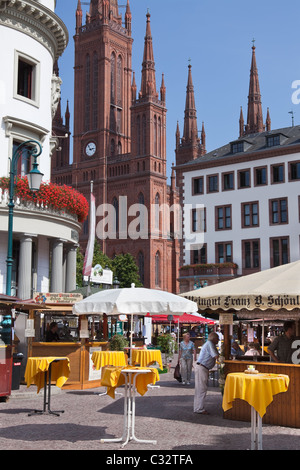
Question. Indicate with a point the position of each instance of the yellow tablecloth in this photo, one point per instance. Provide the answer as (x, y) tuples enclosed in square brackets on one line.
[(256, 389), (144, 357), (113, 378), (37, 366), (108, 358)]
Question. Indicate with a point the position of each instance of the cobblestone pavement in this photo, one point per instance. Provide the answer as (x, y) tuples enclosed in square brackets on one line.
[(165, 414)]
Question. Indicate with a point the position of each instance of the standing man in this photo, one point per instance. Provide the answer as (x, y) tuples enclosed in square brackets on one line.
[(283, 344), (206, 361)]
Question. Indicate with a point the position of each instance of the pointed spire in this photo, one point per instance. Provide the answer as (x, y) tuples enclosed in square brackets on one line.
[(177, 135), (128, 18), (268, 121), (133, 89), (78, 17), (242, 123), (203, 139), (148, 85), (67, 116), (254, 117), (163, 89), (190, 131)]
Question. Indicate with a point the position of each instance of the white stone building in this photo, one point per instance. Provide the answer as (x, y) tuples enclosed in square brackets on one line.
[(242, 206), (32, 37)]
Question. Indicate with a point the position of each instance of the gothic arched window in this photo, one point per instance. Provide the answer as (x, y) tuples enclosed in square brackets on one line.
[(157, 268), (112, 77), (87, 93), (95, 90), (157, 202), (115, 204)]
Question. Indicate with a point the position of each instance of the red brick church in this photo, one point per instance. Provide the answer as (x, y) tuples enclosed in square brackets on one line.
[(119, 143)]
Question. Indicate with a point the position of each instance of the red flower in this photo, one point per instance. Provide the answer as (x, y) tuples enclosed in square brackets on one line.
[(63, 198)]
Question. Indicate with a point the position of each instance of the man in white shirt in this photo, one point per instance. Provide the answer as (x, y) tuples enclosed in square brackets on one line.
[(206, 361)]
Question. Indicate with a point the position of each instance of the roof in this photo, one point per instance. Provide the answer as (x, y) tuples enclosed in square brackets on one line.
[(254, 143)]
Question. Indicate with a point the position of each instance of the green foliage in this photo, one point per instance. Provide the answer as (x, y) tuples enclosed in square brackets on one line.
[(126, 270), (118, 343), (79, 267), (166, 344)]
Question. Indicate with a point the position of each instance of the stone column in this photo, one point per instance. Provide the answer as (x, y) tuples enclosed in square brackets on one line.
[(71, 268), (57, 266), (25, 267)]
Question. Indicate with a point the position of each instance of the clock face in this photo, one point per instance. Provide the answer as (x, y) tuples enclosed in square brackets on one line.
[(90, 149)]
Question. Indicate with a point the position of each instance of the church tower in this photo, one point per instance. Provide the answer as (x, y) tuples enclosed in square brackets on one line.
[(120, 144), (102, 83)]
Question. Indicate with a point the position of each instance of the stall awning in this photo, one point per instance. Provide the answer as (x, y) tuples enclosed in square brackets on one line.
[(273, 290), (185, 318)]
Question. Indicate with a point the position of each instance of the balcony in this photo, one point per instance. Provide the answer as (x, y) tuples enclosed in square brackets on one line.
[(205, 274)]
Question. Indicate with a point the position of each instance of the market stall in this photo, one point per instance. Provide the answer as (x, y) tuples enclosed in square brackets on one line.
[(269, 295), (77, 338)]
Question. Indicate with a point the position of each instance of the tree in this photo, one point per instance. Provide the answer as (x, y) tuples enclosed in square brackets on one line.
[(100, 258), (79, 267), (126, 270)]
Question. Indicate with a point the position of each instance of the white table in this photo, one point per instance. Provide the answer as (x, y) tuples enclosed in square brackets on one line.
[(129, 409)]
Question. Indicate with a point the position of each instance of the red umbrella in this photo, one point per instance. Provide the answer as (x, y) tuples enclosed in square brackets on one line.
[(185, 318)]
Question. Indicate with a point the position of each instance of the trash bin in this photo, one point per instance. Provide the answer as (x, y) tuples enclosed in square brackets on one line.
[(16, 371)]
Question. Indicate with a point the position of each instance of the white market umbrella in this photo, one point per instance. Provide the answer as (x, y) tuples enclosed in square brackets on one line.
[(134, 301)]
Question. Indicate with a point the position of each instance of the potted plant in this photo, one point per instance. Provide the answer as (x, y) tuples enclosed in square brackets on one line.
[(118, 343), (167, 345)]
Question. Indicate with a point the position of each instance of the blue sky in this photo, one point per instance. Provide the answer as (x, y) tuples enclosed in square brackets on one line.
[(217, 37)]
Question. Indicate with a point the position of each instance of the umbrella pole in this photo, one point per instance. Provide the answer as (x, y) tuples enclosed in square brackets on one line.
[(131, 333), (263, 338)]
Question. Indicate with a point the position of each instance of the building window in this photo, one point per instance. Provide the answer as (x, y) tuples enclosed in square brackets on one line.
[(237, 147), (244, 178), (224, 252), (95, 91), (294, 171), (251, 254), (197, 185), (26, 82), (87, 101), (157, 269), (279, 211), (198, 220), (277, 173), (250, 214), (24, 162), (115, 204), (273, 140), (112, 77), (260, 176), (279, 251), (223, 218), (228, 181), (199, 256), (157, 205), (213, 185)]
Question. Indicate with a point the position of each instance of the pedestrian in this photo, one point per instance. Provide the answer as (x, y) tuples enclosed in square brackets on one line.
[(283, 344), (187, 353), (206, 361)]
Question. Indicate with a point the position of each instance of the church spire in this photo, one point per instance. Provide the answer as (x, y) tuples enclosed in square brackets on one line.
[(148, 85), (255, 117), (190, 130)]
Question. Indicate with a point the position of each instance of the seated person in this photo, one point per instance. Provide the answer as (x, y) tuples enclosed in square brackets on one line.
[(52, 334), (253, 350), (236, 350)]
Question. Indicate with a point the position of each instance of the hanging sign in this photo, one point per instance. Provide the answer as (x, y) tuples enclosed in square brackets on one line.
[(226, 319)]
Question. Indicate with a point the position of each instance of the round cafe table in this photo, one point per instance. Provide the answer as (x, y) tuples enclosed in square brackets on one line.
[(258, 390), (135, 379), (108, 358), (145, 357)]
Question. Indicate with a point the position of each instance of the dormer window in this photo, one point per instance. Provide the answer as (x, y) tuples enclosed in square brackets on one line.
[(273, 140), (237, 147)]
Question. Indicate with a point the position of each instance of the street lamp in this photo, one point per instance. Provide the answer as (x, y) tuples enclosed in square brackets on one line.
[(34, 181)]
